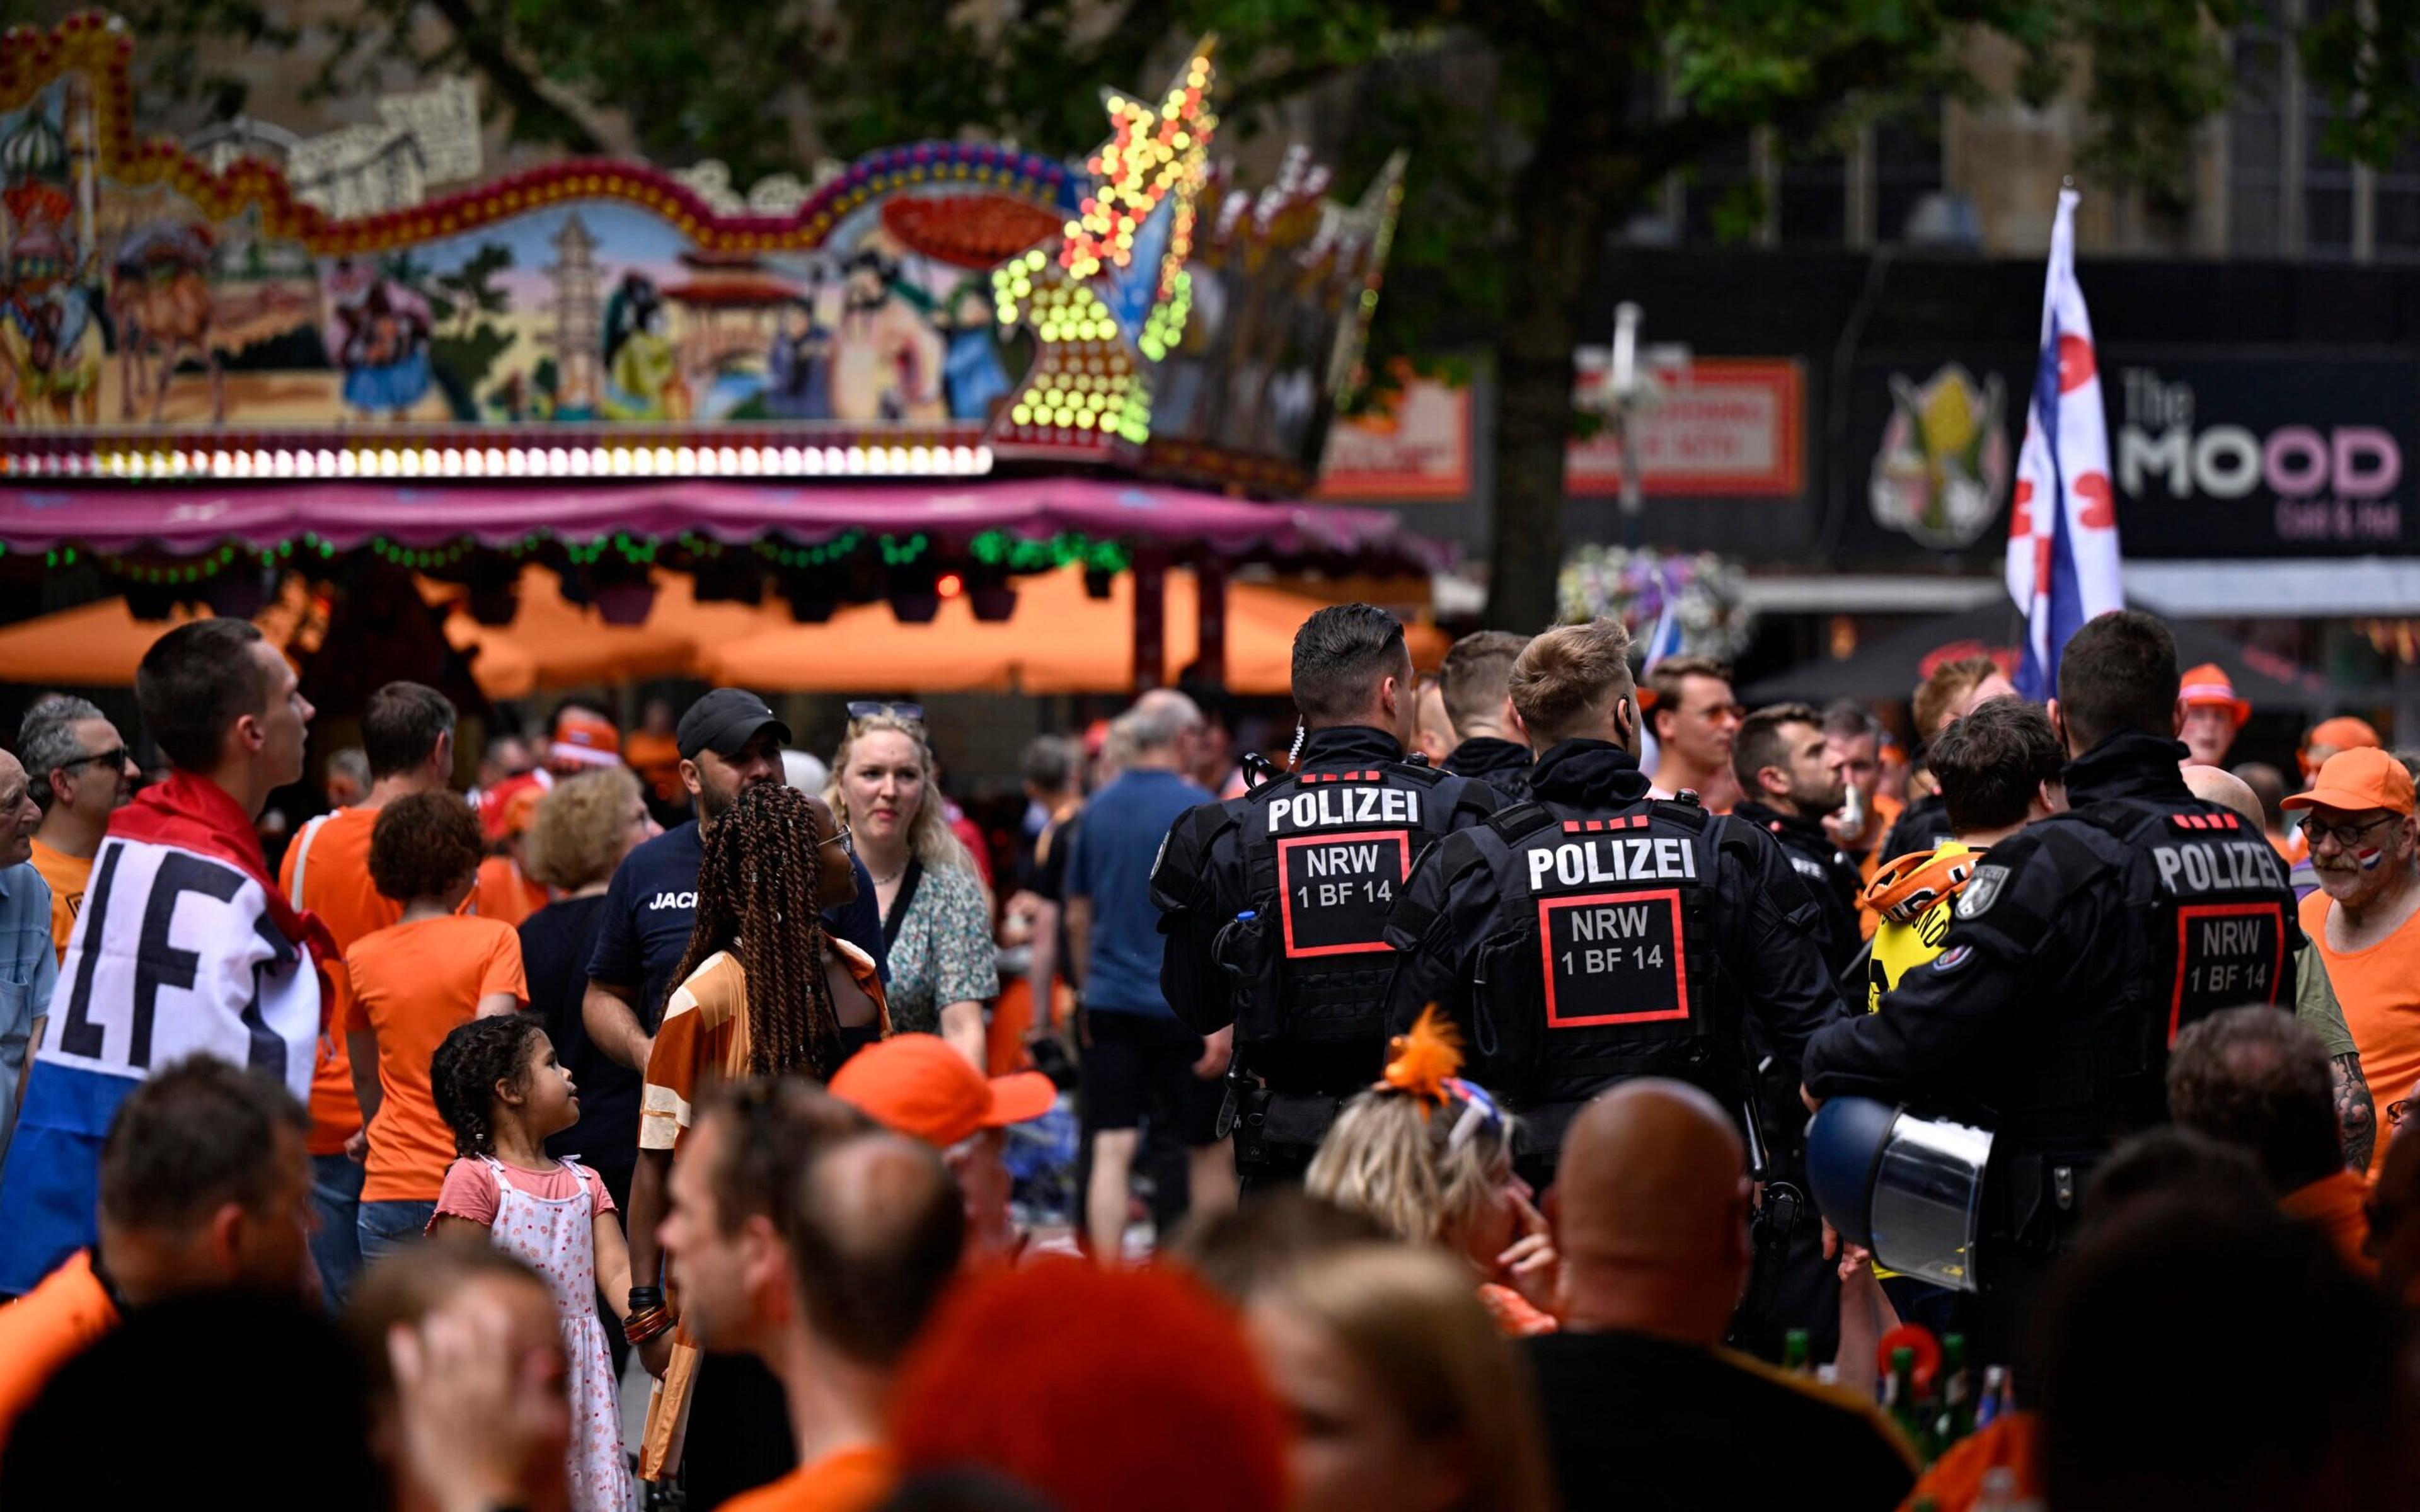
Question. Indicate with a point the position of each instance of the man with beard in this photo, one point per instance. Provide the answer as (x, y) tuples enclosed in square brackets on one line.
[(729, 741), (1790, 787)]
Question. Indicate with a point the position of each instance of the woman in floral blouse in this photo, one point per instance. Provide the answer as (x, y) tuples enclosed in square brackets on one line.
[(936, 915)]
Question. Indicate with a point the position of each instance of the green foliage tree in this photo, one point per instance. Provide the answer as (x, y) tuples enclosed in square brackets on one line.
[(1537, 128)]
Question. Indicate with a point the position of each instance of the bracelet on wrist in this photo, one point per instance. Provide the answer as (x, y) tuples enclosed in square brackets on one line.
[(642, 1326), (642, 1298)]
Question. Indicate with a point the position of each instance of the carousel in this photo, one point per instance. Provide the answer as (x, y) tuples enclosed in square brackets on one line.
[(952, 417)]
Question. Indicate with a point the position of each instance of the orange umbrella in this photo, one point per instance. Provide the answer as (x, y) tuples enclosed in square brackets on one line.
[(1060, 641), (93, 646), (554, 642)]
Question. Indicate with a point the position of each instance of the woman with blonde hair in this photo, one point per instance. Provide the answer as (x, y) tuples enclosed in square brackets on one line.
[(936, 915), (1429, 1156), (1409, 1396)]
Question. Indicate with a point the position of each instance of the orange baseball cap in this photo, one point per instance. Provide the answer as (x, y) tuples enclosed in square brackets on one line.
[(2209, 684), (2342, 732), (2359, 778), (917, 1084), (585, 740)]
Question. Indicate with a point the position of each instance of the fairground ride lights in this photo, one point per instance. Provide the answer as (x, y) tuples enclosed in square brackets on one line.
[(481, 462)]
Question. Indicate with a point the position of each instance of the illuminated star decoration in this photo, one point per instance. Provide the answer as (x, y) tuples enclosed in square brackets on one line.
[(1115, 293)]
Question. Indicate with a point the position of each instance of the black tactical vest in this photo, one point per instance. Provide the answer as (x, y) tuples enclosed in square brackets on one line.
[(1324, 853), (2210, 912), (1601, 961), (2214, 900)]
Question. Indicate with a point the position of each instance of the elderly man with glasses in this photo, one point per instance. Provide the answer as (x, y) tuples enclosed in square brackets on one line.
[(2366, 850), (80, 772)]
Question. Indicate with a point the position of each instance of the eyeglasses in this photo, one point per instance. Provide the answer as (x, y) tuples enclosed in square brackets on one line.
[(117, 757), (2317, 830), (841, 838), (869, 709)]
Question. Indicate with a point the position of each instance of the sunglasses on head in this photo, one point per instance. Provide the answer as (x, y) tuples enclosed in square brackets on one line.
[(871, 709)]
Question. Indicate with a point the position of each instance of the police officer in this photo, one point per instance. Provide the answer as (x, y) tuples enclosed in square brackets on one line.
[(2081, 946), (1595, 934), (1275, 903), (1789, 787), (1475, 680)]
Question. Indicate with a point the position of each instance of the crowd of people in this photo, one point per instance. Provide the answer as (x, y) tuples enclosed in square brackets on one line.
[(1461, 1098)]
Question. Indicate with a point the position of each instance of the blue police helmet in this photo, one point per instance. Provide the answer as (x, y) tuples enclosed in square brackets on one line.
[(1844, 1149)]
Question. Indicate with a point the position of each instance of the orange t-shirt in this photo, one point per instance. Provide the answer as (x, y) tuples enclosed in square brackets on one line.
[(46, 1328), (2379, 989), (333, 857), (412, 983), (68, 875), (849, 1480), (2338, 1206), (503, 893)]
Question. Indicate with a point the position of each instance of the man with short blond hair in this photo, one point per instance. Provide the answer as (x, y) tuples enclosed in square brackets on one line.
[(1559, 924), (1476, 679)]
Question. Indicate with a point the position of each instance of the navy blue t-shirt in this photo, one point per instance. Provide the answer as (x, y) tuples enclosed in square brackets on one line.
[(651, 906), (1111, 864)]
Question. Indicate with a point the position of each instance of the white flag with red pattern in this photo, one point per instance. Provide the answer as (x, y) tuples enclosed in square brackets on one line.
[(2064, 565)]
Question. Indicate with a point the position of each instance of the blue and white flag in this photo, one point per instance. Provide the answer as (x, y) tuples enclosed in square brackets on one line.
[(2063, 557), (180, 949), (1665, 639)]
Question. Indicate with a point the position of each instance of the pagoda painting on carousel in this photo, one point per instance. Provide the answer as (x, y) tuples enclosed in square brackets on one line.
[(186, 310)]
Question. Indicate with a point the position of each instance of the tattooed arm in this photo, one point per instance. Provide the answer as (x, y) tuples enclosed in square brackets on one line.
[(2356, 1115)]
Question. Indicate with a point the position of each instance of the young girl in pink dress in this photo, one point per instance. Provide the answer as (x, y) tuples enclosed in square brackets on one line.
[(501, 1092)]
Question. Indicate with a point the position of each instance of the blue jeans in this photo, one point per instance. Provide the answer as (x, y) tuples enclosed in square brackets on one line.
[(388, 1226), (336, 1242)]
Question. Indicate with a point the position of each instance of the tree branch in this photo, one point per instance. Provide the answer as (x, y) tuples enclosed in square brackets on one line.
[(527, 89)]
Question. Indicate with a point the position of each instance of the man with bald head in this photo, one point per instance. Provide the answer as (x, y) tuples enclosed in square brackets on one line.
[(1650, 1213), (2315, 996)]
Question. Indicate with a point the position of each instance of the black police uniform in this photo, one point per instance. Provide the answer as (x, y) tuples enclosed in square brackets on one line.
[(1924, 825), (1502, 764), (1274, 908), (1594, 933), (1830, 873), (2081, 946)]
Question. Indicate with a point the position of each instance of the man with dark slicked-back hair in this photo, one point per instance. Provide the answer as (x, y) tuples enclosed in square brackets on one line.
[(1275, 903), (2082, 945)]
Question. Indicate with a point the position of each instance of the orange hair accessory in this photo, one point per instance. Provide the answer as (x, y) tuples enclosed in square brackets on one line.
[(1421, 1061)]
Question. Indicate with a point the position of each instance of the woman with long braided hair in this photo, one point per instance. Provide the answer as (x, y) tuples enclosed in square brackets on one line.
[(763, 990)]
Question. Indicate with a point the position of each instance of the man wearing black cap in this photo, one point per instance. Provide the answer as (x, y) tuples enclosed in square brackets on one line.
[(729, 741)]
